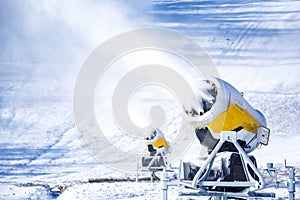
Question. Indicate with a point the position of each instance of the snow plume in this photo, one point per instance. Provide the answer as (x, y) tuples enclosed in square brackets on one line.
[(42, 47), (53, 38)]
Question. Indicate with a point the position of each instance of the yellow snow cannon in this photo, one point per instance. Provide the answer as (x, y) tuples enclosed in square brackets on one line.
[(156, 141), (220, 108)]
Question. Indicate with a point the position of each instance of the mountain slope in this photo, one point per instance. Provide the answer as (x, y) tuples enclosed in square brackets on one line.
[(254, 44)]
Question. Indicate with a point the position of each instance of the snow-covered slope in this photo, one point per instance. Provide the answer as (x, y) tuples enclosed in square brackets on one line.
[(254, 44)]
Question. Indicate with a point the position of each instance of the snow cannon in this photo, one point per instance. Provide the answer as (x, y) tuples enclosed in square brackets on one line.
[(156, 141), (220, 108), (230, 128), (158, 147)]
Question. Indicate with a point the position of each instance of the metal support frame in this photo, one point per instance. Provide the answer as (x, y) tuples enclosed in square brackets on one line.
[(159, 153), (290, 184), (199, 182), (201, 175), (166, 182)]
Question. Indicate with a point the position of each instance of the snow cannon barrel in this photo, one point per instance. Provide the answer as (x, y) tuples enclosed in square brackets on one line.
[(221, 107)]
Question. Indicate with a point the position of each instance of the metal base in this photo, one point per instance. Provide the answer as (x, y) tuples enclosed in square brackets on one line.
[(252, 186), (157, 163), (200, 177), (228, 194)]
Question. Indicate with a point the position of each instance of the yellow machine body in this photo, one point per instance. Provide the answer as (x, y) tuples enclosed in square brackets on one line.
[(233, 118)]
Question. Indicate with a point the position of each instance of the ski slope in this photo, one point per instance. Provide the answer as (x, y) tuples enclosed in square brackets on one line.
[(254, 44)]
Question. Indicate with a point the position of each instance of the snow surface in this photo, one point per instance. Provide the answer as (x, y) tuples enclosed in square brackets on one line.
[(254, 44)]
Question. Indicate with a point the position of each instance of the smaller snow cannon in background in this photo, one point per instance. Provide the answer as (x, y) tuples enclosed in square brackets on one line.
[(156, 142), (157, 147), (230, 128)]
